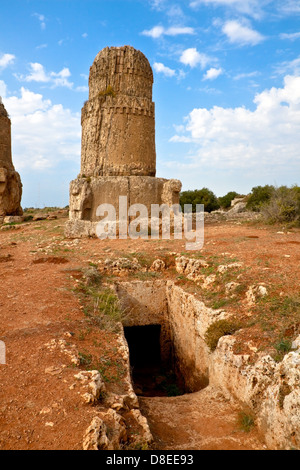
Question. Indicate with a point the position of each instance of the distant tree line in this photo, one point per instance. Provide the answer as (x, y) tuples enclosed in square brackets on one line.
[(276, 204), (208, 198)]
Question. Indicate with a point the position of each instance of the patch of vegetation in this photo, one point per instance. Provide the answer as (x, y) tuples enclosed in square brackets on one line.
[(200, 196), (106, 309), (283, 347), (111, 370), (101, 304), (92, 276), (225, 201), (146, 276), (283, 206), (259, 196), (218, 329), (108, 92), (246, 421), (144, 259), (220, 303), (279, 318), (35, 210), (85, 360), (276, 204)]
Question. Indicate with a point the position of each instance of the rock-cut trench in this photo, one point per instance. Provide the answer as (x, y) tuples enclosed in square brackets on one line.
[(170, 372)]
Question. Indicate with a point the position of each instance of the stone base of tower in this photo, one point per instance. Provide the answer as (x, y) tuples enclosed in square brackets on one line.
[(87, 194), (10, 193)]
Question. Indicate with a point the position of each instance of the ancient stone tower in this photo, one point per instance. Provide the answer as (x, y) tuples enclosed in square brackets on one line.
[(10, 182), (118, 156), (118, 127)]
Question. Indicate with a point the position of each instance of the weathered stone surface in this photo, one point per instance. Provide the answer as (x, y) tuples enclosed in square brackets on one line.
[(158, 265), (118, 156), (87, 194), (271, 390), (93, 385), (118, 127), (13, 219), (10, 181)]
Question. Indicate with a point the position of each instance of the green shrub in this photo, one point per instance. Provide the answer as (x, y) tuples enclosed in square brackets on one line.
[(259, 196), (85, 359), (218, 329), (283, 206), (200, 196), (283, 347), (225, 201)]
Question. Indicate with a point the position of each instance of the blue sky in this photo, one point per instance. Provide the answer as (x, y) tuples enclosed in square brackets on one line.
[(226, 87)]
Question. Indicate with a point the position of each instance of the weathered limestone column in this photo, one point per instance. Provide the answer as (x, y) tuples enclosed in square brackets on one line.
[(118, 125), (10, 181), (118, 155)]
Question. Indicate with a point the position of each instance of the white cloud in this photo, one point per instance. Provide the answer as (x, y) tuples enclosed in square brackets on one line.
[(212, 74), (155, 32), (61, 78), (42, 46), (289, 67), (41, 19), (158, 4), (241, 34), (161, 68), (38, 74), (175, 11), (44, 135), (246, 75), (6, 60), (159, 31), (193, 58), (291, 36), (263, 140), (289, 6), (252, 8)]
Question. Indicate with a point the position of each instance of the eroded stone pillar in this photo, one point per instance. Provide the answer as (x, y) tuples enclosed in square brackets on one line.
[(118, 154), (118, 124), (10, 181)]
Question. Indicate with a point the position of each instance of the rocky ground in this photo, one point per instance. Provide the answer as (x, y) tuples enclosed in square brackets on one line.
[(50, 339)]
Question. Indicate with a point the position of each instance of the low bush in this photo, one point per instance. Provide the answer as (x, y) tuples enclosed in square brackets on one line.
[(283, 347), (283, 206), (218, 329), (259, 196)]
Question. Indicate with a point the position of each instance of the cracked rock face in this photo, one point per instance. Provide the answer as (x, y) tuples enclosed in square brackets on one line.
[(10, 181), (118, 125)]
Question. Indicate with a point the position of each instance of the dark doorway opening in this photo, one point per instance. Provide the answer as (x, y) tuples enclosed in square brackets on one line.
[(150, 375)]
